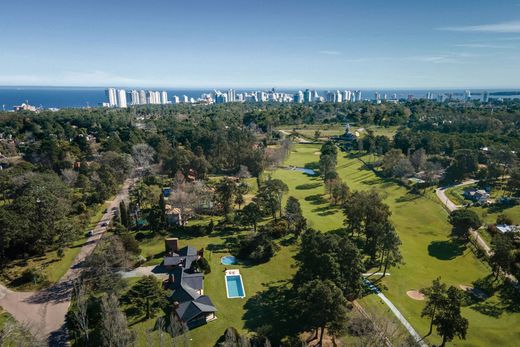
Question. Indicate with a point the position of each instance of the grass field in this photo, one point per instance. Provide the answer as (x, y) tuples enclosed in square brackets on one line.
[(427, 250)]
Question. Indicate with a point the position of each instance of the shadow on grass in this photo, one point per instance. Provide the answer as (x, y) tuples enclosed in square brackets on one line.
[(308, 186), (407, 198), (491, 309), (269, 313), (316, 199), (446, 250)]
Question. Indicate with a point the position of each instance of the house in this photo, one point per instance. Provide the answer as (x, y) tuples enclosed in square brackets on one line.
[(187, 284), (479, 196), (176, 216), (505, 228)]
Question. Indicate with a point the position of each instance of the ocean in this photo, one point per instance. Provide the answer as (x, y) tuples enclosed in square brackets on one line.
[(74, 97)]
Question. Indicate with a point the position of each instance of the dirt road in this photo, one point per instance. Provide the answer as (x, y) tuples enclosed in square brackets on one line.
[(45, 310)]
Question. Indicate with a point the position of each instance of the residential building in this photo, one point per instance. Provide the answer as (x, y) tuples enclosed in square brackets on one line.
[(135, 98), (111, 97), (142, 97), (121, 98), (186, 283), (164, 97)]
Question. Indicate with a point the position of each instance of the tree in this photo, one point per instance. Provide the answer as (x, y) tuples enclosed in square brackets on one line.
[(294, 215), (418, 159), (251, 215), (403, 169), (340, 192), (143, 155), (436, 295), (328, 158), (146, 296), (124, 216), (390, 253), (114, 327), (465, 164), (317, 135), (270, 196), (449, 321), (225, 191), (464, 219), (513, 184), (332, 257), (390, 160), (503, 256), (322, 305)]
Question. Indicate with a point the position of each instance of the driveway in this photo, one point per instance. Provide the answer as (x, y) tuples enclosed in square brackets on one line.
[(45, 310)]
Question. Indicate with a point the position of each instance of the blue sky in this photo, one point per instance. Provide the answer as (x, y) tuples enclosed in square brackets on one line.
[(228, 43)]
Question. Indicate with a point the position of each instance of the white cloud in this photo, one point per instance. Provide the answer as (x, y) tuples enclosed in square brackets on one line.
[(503, 27), (329, 52)]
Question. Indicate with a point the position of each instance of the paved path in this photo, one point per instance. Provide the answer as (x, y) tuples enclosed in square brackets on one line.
[(45, 310), (398, 314), (156, 270)]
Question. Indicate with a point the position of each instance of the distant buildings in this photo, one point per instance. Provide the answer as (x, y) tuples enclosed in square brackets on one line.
[(120, 98)]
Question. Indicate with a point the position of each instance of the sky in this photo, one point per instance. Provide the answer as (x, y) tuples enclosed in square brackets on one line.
[(265, 43)]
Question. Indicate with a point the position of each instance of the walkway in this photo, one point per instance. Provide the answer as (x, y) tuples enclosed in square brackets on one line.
[(45, 310), (396, 312)]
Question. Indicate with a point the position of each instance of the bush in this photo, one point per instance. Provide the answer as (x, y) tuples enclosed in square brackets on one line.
[(130, 244), (276, 229), (34, 276), (504, 219), (202, 265), (256, 248)]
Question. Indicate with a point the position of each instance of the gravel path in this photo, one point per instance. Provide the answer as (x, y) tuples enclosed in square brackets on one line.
[(45, 310)]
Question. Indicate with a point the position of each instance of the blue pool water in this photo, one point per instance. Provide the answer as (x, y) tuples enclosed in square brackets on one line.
[(234, 286), (228, 260)]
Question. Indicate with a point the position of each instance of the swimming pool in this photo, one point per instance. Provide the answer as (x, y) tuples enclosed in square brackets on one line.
[(234, 285), (228, 260)]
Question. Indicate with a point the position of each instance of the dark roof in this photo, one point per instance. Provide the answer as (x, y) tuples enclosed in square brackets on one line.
[(191, 309)]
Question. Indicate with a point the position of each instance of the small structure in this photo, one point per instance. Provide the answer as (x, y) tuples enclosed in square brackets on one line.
[(187, 284), (505, 228), (479, 196), (176, 216)]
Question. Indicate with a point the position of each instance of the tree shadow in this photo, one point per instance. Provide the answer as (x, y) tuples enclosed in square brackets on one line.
[(489, 309), (269, 313), (316, 199), (509, 296), (407, 198), (308, 186), (446, 250)]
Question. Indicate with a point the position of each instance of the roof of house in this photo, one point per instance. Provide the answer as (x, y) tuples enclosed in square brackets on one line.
[(505, 228), (191, 309)]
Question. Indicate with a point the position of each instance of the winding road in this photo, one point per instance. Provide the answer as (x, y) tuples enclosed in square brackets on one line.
[(450, 206), (44, 311)]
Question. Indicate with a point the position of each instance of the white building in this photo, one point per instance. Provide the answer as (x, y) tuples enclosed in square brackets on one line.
[(142, 97), (185, 99), (175, 99), (121, 98), (164, 97), (111, 94), (231, 95), (135, 97)]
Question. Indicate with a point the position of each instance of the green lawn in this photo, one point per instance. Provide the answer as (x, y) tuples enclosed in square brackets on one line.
[(428, 253), (230, 311), (427, 250)]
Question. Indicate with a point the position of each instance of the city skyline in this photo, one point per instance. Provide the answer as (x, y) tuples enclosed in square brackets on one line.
[(289, 44)]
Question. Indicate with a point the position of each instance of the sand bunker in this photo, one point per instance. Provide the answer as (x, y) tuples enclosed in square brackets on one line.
[(415, 294)]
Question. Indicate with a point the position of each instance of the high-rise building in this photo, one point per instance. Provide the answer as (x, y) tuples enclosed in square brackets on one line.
[(338, 97), (467, 95), (298, 97), (175, 99), (135, 99), (359, 95), (185, 99), (307, 96), (231, 95), (121, 98), (164, 97), (111, 97), (142, 97), (485, 96)]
